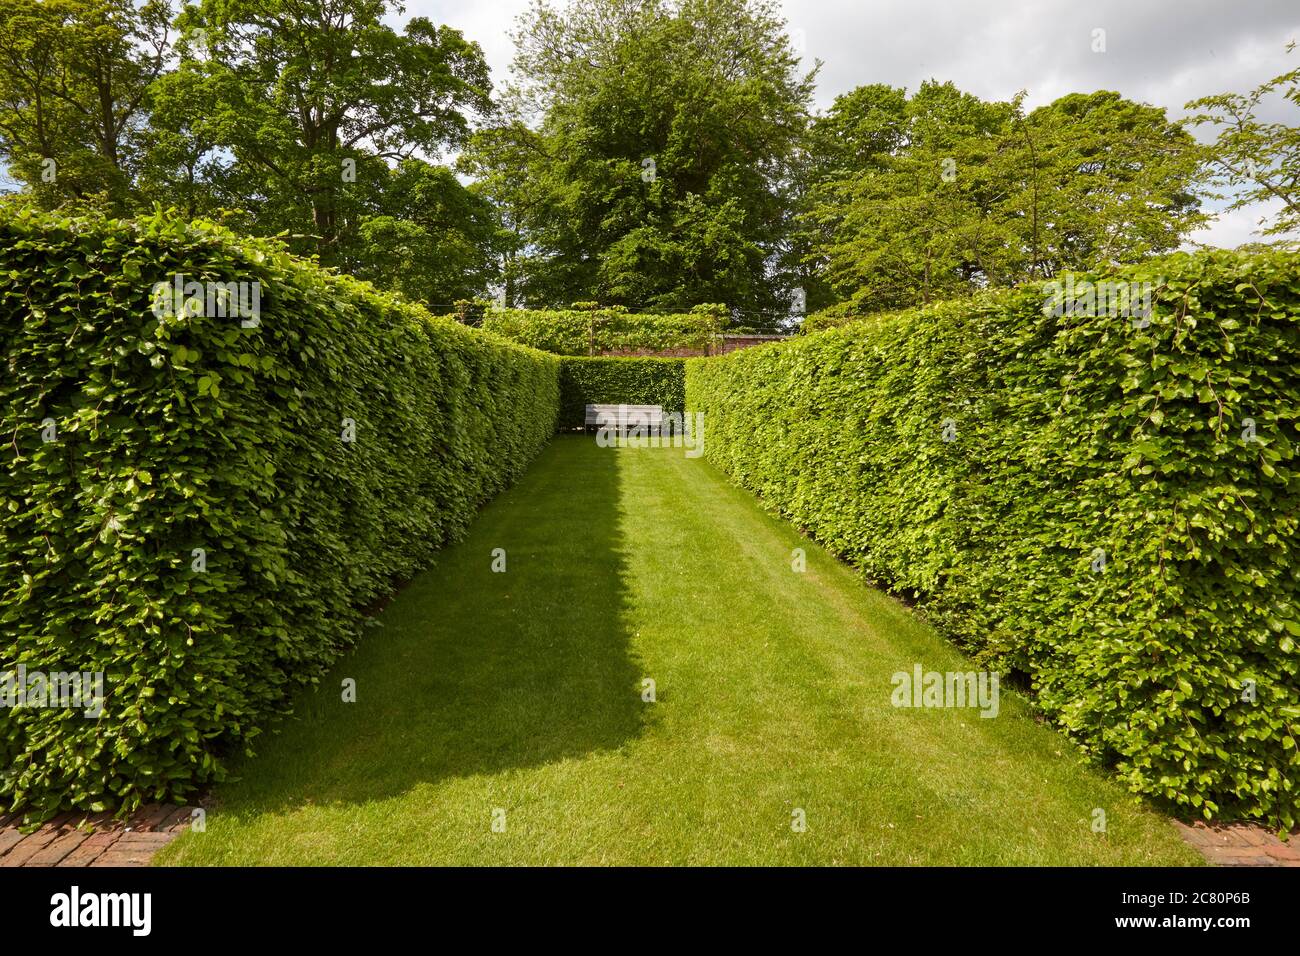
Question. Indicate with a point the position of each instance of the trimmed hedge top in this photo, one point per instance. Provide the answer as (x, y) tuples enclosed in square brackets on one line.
[(595, 331), (1108, 504), (201, 507)]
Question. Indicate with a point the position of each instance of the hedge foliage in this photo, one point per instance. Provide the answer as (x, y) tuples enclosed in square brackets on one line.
[(831, 318), (176, 432), (593, 331), (1115, 515), (619, 381)]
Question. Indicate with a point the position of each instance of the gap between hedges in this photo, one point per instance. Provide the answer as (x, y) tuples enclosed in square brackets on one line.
[(619, 381)]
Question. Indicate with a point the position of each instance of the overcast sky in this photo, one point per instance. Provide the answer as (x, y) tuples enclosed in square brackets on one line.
[(1162, 52)]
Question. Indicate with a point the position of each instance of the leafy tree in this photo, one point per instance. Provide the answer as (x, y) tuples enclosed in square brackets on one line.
[(860, 129), (75, 80), (645, 156), (906, 209), (1255, 159), (293, 111), (1116, 183), (305, 118), (941, 194), (429, 237)]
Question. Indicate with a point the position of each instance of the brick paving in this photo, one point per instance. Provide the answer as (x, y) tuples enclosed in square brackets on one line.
[(81, 839), (1242, 844)]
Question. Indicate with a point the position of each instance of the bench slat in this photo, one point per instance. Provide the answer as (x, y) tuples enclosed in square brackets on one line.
[(624, 415)]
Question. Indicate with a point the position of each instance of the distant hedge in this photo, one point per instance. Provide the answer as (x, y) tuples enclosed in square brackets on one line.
[(1114, 512), (619, 381), (182, 509), (592, 331), (831, 318)]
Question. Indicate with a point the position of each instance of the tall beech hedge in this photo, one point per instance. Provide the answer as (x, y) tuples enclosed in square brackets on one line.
[(1114, 516), (619, 381), (180, 432)]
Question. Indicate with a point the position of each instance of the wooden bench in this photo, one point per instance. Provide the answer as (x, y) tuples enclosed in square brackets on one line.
[(621, 418)]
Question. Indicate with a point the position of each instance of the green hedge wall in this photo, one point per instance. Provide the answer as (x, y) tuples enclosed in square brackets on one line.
[(593, 331), (622, 381), (1115, 515), (179, 432)]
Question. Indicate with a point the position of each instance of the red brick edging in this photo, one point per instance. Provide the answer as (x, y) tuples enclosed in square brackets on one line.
[(1242, 844), (82, 839)]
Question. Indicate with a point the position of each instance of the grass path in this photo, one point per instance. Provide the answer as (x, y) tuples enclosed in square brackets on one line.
[(522, 692)]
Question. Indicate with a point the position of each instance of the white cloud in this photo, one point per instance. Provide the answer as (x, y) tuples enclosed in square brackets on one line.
[(1231, 229), (1163, 52)]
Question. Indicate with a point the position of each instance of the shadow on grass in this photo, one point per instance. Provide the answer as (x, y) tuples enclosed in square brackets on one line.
[(473, 671)]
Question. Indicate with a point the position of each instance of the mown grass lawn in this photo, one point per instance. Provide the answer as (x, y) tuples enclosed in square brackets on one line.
[(522, 692)]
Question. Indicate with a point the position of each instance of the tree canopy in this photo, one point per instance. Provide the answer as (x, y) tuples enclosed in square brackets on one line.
[(643, 154), (652, 155), (310, 119), (936, 195), (76, 77)]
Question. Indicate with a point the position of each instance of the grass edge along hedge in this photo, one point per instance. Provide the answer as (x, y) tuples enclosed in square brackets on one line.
[(619, 381), (1108, 508), (202, 508)]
